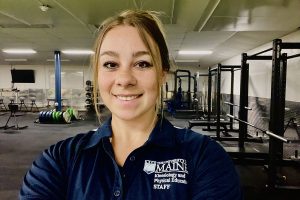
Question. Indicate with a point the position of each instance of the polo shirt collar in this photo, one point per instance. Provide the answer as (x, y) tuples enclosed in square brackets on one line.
[(163, 134), (104, 131)]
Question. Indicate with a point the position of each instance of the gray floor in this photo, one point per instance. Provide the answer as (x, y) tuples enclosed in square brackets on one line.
[(18, 148)]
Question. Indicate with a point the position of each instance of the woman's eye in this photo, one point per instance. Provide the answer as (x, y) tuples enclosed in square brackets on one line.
[(110, 65), (144, 64)]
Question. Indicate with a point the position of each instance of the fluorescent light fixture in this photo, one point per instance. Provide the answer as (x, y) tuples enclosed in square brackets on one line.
[(15, 59), (62, 60), (183, 52), (186, 61), (19, 51), (78, 52)]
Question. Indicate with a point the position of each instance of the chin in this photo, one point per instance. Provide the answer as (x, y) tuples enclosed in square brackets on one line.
[(125, 117)]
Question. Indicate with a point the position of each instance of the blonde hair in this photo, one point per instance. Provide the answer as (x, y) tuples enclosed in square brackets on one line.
[(151, 32)]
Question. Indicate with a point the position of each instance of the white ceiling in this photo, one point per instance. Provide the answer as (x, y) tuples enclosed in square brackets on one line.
[(227, 27)]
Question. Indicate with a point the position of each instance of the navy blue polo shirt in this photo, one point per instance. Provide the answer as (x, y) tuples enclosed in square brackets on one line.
[(173, 164)]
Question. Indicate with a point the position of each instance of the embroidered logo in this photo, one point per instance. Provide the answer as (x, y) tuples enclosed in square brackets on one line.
[(149, 166), (167, 172)]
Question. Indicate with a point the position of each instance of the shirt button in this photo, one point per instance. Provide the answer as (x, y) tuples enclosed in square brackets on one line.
[(117, 193), (132, 158)]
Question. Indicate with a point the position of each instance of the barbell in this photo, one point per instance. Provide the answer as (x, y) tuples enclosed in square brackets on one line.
[(269, 133)]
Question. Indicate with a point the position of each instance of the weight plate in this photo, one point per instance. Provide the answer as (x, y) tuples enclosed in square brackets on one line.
[(88, 82), (44, 116), (60, 117), (49, 116), (41, 117), (88, 95), (57, 116), (88, 101), (75, 114), (69, 111), (66, 117), (53, 116)]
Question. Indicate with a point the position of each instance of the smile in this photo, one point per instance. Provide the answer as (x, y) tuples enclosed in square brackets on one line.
[(127, 98)]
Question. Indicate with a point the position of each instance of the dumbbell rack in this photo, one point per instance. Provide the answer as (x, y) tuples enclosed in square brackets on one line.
[(89, 101)]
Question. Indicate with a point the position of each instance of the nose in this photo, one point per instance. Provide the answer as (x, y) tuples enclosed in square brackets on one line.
[(125, 78)]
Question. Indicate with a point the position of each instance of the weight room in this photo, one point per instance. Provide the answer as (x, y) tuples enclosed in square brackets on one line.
[(235, 78)]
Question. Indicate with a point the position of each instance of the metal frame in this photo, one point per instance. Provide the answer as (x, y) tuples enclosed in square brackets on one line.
[(217, 122), (277, 107), (277, 111), (219, 69), (189, 84)]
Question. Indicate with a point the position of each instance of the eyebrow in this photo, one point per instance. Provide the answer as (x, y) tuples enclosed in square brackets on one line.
[(140, 53), (109, 53), (115, 54)]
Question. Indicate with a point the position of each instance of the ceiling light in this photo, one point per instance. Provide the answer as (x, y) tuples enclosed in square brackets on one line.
[(78, 52), (15, 59), (186, 61), (19, 51), (181, 52)]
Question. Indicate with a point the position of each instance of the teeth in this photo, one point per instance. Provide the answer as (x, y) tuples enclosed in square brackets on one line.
[(127, 98)]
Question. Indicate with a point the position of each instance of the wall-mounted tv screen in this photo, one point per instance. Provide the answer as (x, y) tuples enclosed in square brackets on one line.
[(22, 76)]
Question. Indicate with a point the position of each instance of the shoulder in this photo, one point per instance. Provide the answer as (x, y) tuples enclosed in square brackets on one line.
[(196, 142), (202, 151), (72, 142), (65, 150), (212, 173), (51, 169), (188, 141)]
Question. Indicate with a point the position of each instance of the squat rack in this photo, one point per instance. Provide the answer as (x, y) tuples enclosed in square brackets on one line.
[(277, 106), (177, 76), (218, 71), (216, 120)]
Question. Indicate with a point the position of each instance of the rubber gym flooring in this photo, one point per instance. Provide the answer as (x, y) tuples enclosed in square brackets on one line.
[(18, 148)]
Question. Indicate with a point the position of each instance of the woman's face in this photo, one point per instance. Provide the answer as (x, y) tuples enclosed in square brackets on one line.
[(127, 78)]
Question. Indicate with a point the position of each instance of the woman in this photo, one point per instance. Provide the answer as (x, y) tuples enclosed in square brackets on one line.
[(135, 154)]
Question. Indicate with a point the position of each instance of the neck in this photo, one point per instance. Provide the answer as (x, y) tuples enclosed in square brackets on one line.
[(128, 136), (130, 131)]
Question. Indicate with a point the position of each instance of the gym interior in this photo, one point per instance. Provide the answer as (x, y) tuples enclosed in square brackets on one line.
[(234, 77)]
